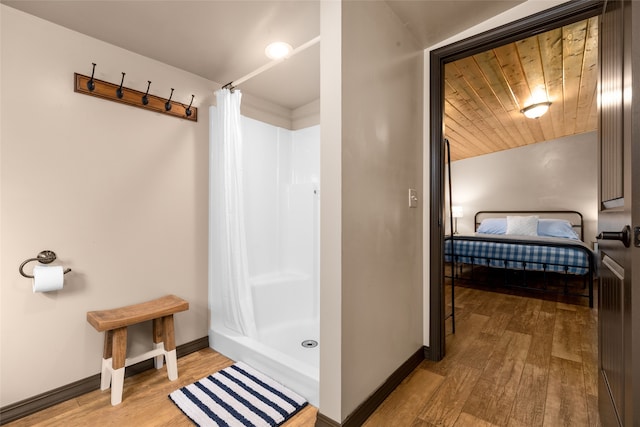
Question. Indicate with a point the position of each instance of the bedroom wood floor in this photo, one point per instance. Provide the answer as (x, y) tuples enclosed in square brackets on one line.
[(514, 361)]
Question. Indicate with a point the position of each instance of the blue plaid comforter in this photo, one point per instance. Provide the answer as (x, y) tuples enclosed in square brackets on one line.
[(540, 254)]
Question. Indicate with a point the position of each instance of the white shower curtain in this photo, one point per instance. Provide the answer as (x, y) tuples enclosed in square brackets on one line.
[(230, 267)]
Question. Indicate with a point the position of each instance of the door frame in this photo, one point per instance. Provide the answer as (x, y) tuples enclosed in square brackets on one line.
[(546, 20)]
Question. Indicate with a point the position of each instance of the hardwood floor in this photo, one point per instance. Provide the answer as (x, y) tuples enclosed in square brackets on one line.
[(145, 400), (514, 361)]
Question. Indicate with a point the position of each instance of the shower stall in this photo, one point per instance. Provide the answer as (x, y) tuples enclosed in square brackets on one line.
[(280, 197)]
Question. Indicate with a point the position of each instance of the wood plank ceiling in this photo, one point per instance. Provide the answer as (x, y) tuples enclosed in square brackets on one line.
[(485, 93)]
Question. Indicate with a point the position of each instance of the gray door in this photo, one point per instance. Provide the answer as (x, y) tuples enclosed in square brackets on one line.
[(619, 215)]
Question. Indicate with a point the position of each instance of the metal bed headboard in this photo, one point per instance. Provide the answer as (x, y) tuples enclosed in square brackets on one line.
[(574, 217)]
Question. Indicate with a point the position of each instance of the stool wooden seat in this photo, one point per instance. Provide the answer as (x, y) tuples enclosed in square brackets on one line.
[(114, 324)]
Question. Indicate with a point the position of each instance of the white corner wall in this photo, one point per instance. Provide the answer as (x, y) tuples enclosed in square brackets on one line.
[(381, 245), (119, 193), (331, 210), (554, 175)]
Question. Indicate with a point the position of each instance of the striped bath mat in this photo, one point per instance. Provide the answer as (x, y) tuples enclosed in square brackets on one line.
[(237, 396)]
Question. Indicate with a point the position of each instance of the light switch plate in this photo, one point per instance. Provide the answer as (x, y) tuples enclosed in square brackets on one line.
[(413, 198)]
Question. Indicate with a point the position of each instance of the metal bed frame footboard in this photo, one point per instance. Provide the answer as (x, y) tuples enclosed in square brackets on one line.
[(524, 266)]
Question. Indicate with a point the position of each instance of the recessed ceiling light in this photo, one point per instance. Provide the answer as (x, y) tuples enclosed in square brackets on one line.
[(278, 50), (535, 111)]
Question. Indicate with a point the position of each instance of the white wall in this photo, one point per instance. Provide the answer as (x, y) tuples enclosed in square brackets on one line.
[(370, 272), (552, 175), (119, 193), (331, 210), (381, 148)]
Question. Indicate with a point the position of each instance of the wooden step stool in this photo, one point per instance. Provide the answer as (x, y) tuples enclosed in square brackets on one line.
[(114, 325)]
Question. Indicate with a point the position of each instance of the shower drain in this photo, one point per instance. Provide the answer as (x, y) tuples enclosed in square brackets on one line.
[(309, 343)]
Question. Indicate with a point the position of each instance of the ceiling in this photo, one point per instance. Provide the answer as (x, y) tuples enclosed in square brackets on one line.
[(225, 40), (485, 93)]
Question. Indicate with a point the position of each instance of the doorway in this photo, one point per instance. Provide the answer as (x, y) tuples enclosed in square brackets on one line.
[(562, 15)]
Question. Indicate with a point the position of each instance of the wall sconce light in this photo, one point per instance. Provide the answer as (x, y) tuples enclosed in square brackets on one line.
[(535, 111), (456, 212)]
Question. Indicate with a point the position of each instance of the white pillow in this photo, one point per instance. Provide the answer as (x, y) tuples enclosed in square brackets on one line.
[(522, 225)]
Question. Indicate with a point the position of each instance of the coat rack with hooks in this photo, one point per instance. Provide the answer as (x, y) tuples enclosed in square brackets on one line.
[(119, 93)]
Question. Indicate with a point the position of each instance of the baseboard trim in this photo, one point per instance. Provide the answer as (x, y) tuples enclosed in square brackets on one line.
[(427, 353), (366, 408), (37, 403), (192, 346), (324, 421)]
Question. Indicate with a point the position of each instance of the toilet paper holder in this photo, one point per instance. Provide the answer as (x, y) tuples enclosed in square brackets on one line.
[(44, 257)]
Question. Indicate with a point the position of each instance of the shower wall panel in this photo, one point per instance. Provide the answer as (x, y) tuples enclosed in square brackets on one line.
[(281, 178), (261, 178)]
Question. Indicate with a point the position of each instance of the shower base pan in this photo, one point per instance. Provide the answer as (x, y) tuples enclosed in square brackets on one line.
[(279, 353)]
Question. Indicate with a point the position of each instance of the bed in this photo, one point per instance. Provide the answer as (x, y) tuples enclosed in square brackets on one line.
[(533, 250)]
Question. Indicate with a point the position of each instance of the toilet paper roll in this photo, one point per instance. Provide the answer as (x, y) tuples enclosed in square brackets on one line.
[(47, 278)]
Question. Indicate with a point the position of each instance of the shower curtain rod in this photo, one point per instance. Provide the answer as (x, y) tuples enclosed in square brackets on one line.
[(265, 67)]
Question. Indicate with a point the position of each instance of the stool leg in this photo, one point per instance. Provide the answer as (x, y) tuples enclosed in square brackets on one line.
[(118, 361), (170, 347), (105, 373), (157, 342)]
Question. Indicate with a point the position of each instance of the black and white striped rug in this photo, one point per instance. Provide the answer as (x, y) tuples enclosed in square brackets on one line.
[(238, 396)]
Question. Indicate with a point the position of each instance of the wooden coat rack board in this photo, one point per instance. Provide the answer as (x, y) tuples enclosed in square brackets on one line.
[(106, 90)]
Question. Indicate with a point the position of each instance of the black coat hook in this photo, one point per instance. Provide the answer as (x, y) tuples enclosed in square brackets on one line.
[(119, 92), (91, 85), (145, 98), (188, 110), (167, 105)]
